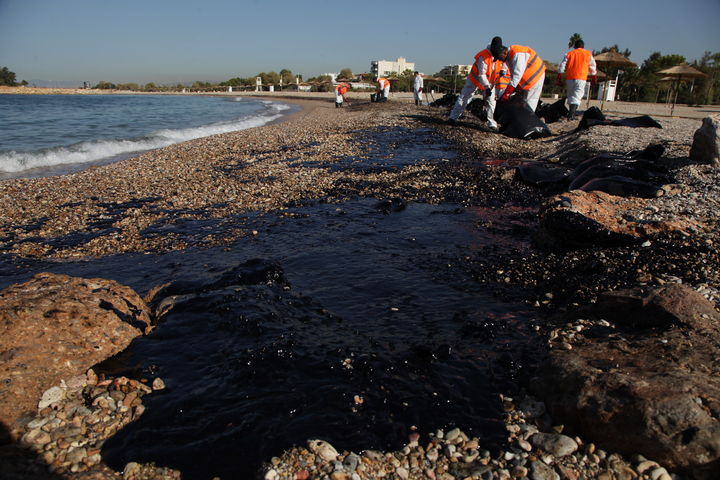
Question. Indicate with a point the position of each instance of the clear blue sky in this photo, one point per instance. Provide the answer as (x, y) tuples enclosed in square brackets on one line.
[(213, 40)]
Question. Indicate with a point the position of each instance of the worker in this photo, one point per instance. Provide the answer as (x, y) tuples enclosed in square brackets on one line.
[(418, 88), (527, 71), (340, 91), (488, 75), (576, 65), (383, 90)]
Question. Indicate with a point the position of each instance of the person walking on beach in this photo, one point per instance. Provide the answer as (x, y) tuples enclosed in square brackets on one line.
[(576, 65), (383, 89), (418, 88), (340, 90), (527, 71), (488, 75)]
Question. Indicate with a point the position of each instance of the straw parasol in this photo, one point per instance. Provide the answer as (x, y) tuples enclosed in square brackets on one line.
[(678, 72), (612, 59)]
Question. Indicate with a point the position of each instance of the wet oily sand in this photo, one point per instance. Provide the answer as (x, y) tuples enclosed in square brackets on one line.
[(344, 321)]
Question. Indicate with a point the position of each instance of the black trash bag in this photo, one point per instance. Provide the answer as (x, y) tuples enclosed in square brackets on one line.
[(373, 97), (447, 100), (636, 174), (551, 113), (477, 108), (593, 116), (518, 121)]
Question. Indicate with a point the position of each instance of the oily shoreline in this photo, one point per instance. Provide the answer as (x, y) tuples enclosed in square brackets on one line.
[(224, 175)]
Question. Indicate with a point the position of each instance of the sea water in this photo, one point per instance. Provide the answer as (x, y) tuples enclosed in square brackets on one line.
[(44, 135)]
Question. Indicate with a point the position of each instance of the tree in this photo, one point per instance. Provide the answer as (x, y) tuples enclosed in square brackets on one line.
[(574, 38), (708, 88), (346, 74), (287, 76), (272, 78), (7, 77), (103, 85)]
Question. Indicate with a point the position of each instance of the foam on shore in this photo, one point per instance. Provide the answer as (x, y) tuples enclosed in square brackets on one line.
[(45, 161)]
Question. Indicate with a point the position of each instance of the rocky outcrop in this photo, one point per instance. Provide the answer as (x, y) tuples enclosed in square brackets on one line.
[(706, 142), (583, 219), (644, 380), (55, 327)]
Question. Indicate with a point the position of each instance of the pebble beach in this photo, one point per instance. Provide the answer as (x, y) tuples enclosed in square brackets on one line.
[(262, 170)]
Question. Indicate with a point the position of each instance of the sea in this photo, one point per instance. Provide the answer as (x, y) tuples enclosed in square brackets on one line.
[(43, 135)]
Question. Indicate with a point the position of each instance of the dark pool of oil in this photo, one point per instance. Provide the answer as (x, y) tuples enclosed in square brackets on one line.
[(347, 322)]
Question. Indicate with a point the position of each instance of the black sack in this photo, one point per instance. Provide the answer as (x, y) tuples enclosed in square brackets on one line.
[(518, 121), (477, 108), (551, 113), (593, 116)]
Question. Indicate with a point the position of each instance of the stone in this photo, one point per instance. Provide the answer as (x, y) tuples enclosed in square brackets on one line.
[(582, 219), (554, 443), (541, 471), (322, 449), (706, 142), (51, 395), (74, 323), (647, 386)]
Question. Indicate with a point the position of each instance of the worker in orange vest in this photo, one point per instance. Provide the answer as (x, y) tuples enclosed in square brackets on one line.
[(340, 91), (383, 90), (490, 77), (576, 65), (527, 71)]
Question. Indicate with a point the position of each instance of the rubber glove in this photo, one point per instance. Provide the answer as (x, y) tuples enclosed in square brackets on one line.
[(558, 80), (488, 92), (506, 94)]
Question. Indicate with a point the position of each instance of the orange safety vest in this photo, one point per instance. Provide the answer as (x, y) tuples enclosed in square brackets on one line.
[(535, 66), (383, 82), (577, 65), (342, 88), (492, 68)]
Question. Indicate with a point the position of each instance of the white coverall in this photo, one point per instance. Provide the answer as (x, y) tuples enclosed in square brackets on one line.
[(469, 89), (385, 87), (576, 88), (417, 88), (518, 64)]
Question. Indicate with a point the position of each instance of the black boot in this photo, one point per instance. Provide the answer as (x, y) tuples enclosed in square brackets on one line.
[(573, 112)]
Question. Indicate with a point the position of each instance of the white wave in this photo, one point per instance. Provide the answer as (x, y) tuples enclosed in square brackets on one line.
[(98, 150)]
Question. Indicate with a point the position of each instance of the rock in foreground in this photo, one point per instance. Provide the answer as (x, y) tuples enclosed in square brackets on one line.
[(55, 327), (645, 379)]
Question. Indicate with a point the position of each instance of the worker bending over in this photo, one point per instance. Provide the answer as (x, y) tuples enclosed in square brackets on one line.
[(418, 88), (576, 65), (340, 90), (383, 89), (488, 75), (527, 71)]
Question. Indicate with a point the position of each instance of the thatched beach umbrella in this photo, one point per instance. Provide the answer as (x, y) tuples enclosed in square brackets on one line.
[(612, 59), (678, 72)]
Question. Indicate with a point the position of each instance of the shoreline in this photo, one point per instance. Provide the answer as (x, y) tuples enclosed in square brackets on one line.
[(188, 176)]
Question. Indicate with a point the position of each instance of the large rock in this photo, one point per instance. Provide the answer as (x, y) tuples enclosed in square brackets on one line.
[(585, 219), (706, 142), (649, 384), (55, 327)]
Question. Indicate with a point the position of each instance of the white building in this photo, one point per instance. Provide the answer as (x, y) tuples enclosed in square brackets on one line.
[(450, 70), (385, 67)]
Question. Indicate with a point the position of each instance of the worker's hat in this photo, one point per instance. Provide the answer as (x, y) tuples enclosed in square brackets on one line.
[(496, 47)]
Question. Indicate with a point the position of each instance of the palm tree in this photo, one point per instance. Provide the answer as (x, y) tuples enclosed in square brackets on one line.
[(575, 37)]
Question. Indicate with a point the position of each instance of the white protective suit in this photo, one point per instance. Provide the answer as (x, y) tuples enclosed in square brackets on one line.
[(517, 65), (576, 88), (469, 89), (418, 86)]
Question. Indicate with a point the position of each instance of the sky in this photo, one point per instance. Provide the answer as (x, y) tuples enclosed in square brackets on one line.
[(168, 42)]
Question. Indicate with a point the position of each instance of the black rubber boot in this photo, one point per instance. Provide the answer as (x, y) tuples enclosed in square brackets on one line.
[(573, 112)]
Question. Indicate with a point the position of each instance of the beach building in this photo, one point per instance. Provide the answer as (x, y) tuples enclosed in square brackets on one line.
[(385, 67), (457, 69)]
